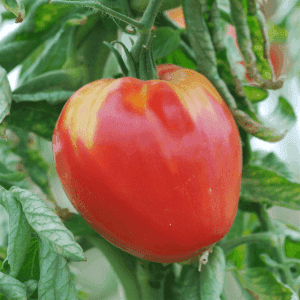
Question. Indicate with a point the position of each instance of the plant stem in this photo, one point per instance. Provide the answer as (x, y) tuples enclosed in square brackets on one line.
[(122, 263), (144, 32), (158, 294), (279, 252), (265, 237), (103, 8)]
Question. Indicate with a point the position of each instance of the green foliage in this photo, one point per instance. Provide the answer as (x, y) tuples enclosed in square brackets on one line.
[(60, 48), (166, 41), (16, 7)]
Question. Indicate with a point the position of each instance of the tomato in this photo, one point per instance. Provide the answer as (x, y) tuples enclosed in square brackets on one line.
[(153, 166), (176, 15), (141, 5)]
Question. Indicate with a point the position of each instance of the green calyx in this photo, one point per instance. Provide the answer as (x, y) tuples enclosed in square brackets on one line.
[(145, 69)]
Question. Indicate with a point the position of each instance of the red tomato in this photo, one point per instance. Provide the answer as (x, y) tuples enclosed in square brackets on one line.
[(153, 166)]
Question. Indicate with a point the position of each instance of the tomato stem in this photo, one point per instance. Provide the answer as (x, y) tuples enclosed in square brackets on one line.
[(279, 252), (264, 237), (144, 35), (152, 277), (101, 7), (122, 263)]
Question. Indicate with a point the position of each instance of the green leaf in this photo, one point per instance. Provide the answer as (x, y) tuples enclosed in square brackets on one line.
[(270, 161), (269, 261), (130, 62), (119, 58), (9, 176), (224, 68), (68, 79), (276, 33), (83, 32), (13, 53), (16, 7), (52, 98), (255, 94), (82, 295), (122, 263), (38, 117), (12, 288), (31, 286), (93, 51), (179, 58), (262, 284), (48, 225), (31, 58), (40, 114), (272, 127), (237, 256), (3, 252), (292, 249), (20, 43), (207, 284), (46, 15), (166, 41), (9, 167), (30, 269), (5, 95), (32, 160), (212, 275), (19, 234), (55, 51), (4, 16), (55, 276), (77, 19), (258, 47), (282, 117), (78, 226), (263, 186), (42, 21), (43, 62)]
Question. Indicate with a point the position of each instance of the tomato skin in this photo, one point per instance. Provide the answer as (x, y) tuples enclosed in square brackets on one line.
[(153, 166)]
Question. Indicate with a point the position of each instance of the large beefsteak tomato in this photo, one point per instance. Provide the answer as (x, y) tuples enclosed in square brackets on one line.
[(153, 166)]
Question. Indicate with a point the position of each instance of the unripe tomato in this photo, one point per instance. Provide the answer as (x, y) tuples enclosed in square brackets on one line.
[(141, 5), (153, 166)]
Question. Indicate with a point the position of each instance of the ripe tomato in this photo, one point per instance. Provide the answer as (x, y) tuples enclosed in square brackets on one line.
[(153, 166)]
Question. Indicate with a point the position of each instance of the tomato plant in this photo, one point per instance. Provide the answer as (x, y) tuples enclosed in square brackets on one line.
[(149, 120), (278, 51), (277, 56), (141, 5), (153, 166)]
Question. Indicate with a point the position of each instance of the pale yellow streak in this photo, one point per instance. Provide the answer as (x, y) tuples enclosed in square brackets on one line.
[(81, 112), (188, 79), (190, 89)]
